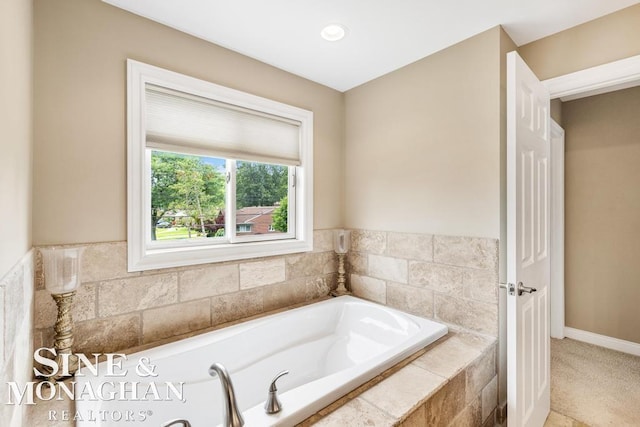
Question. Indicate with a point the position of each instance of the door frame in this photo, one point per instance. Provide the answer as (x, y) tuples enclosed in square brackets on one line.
[(616, 75), (590, 81), (604, 78), (556, 290)]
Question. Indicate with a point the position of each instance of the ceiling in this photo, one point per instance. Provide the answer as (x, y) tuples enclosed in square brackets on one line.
[(382, 35)]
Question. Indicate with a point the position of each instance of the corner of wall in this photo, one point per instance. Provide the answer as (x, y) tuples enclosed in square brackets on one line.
[(16, 175), (343, 161)]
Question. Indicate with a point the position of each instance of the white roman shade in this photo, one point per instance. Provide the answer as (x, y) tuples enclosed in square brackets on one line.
[(181, 122)]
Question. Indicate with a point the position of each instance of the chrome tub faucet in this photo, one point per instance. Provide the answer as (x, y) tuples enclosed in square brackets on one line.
[(231, 416)]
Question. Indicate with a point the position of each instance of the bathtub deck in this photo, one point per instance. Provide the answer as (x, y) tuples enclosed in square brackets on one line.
[(450, 382)]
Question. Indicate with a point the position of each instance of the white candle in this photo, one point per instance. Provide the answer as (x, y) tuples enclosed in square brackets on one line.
[(342, 241), (61, 269)]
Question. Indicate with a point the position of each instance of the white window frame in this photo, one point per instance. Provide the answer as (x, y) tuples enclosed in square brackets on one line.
[(143, 254)]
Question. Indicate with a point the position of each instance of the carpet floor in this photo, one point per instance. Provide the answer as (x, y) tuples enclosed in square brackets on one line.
[(558, 420), (595, 385)]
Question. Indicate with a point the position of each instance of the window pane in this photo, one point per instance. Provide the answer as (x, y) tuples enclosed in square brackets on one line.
[(187, 196), (261, 198)]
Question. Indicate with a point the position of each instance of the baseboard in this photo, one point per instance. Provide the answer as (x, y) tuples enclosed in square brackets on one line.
[(603, 341)]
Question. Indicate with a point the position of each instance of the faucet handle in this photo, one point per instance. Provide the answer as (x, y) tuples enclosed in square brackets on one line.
[(272, 387), (273, 405)]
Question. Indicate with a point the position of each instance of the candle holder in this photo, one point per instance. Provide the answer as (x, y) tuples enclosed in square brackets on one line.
[(62, 277), (341, 245)]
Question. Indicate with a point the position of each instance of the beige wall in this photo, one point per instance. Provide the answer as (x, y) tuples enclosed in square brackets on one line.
[(16, 140), (16, 261), (80, 114), (612, 37), (602, 273), (422, 147)]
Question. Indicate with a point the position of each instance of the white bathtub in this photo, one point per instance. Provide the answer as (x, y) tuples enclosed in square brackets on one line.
[(330, 348)]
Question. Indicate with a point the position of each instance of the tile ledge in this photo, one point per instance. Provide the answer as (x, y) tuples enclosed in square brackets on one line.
[(484, 344)]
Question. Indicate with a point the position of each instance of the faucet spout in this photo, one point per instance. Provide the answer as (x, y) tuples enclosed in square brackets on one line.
[(231, 413), (183, 423)]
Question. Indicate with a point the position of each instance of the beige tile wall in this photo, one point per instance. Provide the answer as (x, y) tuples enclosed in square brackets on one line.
[(114, 309), (451, 279), (16, 328)]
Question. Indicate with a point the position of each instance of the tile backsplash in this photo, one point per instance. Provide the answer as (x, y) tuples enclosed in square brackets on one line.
[(16, 328), (451, 279), (114, 309)]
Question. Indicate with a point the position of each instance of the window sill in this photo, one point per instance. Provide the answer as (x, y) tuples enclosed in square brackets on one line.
[(152, 259)]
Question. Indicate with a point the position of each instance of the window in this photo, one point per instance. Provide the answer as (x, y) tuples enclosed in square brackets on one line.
[(243, 228), (214, 174)]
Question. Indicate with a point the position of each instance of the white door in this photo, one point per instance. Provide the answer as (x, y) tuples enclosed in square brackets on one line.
[(528, 243)]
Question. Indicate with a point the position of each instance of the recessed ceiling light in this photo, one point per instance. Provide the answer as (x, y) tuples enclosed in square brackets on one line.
[(333, 32)]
